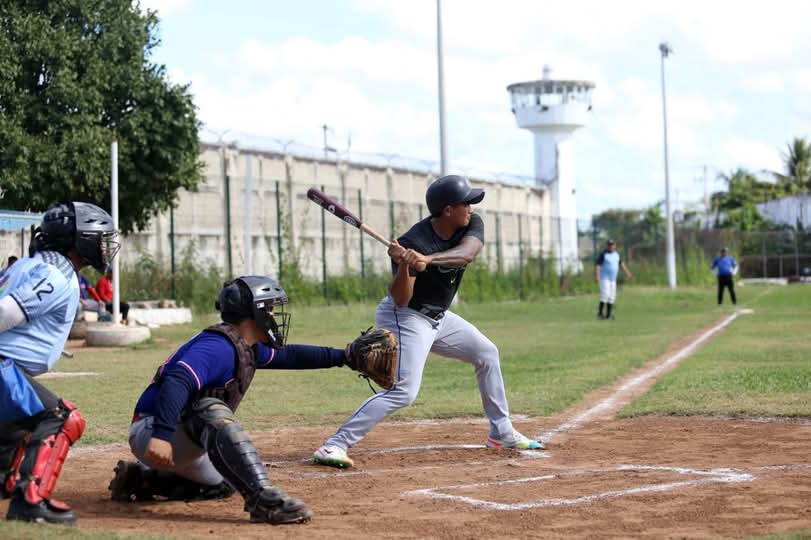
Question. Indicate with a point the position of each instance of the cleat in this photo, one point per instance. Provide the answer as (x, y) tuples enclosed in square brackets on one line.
[(274, 506), (518, 441), (126, 484), (44, 512), (332, 456)]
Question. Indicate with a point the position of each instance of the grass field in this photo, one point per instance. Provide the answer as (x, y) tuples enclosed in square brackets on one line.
[(553, 352)]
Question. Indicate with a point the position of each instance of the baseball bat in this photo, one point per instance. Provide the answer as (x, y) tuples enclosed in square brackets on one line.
[(341, 212)]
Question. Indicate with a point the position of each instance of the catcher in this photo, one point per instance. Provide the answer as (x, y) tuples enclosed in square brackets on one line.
[(189, 444)]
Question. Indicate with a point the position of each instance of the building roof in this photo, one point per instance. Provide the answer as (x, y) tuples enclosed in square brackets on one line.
[(14, 220)]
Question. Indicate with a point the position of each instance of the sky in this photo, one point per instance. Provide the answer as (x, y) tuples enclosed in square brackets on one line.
[(738, 82)]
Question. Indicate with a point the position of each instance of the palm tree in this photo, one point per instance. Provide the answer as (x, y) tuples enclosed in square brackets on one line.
[(797, 158)]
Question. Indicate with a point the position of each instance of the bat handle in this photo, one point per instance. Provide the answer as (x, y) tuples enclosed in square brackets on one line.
[(420, 267)]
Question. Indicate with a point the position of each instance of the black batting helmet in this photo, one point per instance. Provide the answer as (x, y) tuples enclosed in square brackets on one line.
[(449, 190), (84, 226), (259, 298)]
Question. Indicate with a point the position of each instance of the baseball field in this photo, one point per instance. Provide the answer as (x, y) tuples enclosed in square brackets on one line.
[(677, 419)]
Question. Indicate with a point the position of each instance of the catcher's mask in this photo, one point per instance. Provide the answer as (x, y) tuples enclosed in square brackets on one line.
[(259, 298), (84, 226)]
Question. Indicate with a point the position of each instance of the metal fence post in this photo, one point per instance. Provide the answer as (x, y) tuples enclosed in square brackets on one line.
[(323, 249), (360, 215), (172, 250), (279, 229), (796, 253), (498, 242), (520, 247), (391, 219), (763, 256)]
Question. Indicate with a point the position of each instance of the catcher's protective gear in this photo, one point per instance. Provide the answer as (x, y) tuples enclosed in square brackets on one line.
[(259, 298), (374, 354), (213, 425), (135, 482)]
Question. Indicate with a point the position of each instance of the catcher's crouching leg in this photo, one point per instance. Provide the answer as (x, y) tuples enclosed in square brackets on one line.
[(232, 453), (134, 482)]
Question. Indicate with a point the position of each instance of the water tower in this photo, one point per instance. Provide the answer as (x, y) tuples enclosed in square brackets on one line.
[(552, 110)]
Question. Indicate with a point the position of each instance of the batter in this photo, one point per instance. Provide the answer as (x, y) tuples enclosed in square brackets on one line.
[(416, 310)]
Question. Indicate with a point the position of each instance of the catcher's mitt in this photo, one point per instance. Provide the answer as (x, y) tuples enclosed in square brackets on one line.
[(374, 355)]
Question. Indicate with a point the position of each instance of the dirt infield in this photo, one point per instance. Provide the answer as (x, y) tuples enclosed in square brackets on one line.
[(599, 477), (651, 476)]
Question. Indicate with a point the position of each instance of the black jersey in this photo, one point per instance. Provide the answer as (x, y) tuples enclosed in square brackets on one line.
[(437, 285)]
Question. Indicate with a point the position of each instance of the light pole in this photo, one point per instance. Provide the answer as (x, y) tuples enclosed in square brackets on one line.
[(665, 49), (443, 149)]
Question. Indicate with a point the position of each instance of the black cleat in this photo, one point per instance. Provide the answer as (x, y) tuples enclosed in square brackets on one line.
[(44, 512), (273, 506)]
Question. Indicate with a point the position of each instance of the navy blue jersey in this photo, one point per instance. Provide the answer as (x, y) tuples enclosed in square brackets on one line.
[(208, 360), (437, 285)]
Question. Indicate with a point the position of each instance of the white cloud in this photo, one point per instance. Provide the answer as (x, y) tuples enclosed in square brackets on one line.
[(769, 82), (751, 154), (383, 90)]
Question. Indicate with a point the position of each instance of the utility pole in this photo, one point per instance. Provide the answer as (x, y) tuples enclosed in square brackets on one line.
[(443, 149), (665, 49)]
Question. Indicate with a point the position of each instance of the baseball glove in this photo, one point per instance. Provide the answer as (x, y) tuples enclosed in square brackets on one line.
[(374, 354)]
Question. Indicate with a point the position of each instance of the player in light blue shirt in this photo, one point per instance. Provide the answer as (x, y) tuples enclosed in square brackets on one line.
[(606, 269), (39, 296)]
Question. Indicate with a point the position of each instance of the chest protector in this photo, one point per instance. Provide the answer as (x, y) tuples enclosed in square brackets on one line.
[(244, 369)]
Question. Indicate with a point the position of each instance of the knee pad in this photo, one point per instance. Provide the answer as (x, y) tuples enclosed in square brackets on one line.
[(212, 424)]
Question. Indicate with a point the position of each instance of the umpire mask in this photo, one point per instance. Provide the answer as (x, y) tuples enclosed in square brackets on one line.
[(259, 298)]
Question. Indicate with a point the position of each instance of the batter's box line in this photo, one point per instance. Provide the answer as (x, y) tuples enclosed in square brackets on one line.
[(417, 449), (711, 476)]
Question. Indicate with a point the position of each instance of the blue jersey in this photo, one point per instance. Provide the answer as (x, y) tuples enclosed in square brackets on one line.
[(725, 265), (47, 290), (208, 360), (609, 263)]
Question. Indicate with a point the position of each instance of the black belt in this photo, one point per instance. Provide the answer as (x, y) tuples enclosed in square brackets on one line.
[(432, 313)]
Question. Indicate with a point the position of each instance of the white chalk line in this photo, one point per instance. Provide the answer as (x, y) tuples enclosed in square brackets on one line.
[(603, 406), (416, 449), (712, 476), (61, 374), (607, 404)]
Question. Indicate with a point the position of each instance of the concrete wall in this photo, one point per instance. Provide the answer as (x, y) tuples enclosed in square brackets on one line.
[(390, 201)]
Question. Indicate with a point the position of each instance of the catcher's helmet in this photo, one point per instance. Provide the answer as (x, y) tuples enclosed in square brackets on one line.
[(255, 297), (449, 190), (84, 226)]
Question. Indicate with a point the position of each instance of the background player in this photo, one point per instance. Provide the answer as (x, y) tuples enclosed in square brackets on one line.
[(184, 431), (39, 296), (606, 270), (724, 267), (416, 311)]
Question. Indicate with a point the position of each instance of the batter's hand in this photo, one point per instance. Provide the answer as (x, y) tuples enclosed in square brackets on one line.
[(396, 251), (159, 452), (416, 260)]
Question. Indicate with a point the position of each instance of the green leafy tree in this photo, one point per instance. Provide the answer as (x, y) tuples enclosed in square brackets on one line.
[(74, 76), (797, 158), (738, 203)]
